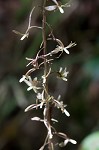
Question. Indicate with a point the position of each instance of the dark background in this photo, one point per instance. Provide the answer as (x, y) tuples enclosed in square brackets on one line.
[(80, 24)]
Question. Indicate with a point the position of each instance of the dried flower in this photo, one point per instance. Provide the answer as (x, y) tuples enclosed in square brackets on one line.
[(61, 47), (31, 83), (62, 74), (59, 104)]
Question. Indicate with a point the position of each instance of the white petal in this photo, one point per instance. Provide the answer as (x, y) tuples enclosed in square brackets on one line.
[(41, 104), (66, 112), (35, 89), (50, 132), (54, 120), (72, 141), (31, 107), (59, 97), (51, 8), (60, 70), (65, 73), (22, 79), (55, 2), (29, 88), (23, 37), (66, 141), (39, 96), (30, 79), (45, 111), (36, 119), (61, 9), (50, 135), (64, 79), (27, 82), (35, 79), (66, 51)]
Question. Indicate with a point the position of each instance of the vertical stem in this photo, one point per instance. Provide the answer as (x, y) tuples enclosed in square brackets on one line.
[(50, 145), (44, 36)]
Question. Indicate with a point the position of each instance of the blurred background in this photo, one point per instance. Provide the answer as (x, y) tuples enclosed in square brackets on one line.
[(80, 24)]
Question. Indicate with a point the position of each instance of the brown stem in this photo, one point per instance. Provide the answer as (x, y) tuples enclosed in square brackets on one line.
[(50, 145)]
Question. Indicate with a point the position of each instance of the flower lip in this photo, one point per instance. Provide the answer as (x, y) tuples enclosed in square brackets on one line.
[(66, 112), (72, 141), (61, 9), (66, 51), (53, 7), (69, 140), (22, 79)]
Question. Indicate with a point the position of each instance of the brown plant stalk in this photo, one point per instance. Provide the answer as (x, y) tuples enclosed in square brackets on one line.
[(48, 108)]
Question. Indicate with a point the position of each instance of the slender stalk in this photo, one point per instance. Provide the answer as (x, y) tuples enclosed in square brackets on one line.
[(50, 145)]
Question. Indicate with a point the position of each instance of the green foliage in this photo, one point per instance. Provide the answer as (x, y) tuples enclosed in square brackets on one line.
[(91, 142)]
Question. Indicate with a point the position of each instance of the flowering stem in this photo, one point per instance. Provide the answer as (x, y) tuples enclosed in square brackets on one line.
[(48, 108)]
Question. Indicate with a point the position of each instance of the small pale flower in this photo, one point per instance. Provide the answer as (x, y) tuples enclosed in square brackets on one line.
[(40, 96), (63, 74), (62, 144), (61, 47), (59, 104), (31, 83)]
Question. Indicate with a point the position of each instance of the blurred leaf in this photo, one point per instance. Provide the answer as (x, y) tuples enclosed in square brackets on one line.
[(91, 142), (9, 107), (91, 67), (21, 14)]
